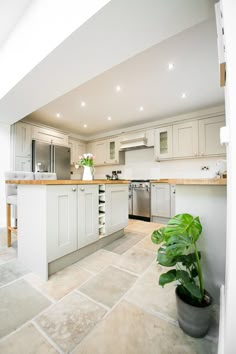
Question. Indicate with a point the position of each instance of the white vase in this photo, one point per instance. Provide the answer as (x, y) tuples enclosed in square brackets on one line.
[(87, 173)]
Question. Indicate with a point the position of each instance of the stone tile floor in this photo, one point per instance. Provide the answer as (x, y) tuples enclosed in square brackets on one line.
[(109, 302)]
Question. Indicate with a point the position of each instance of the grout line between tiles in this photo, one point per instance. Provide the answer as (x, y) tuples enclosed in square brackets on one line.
[(92, 299), (49, 339)]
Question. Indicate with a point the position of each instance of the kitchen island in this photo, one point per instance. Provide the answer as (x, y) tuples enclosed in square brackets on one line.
[(62, 221)]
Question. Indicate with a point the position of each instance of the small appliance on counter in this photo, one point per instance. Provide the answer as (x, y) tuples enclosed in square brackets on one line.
[(140, 200)]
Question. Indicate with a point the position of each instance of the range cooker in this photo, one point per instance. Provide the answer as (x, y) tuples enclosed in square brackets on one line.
[(140, 200)]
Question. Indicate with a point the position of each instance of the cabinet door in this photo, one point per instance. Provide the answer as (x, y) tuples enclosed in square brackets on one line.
[(185, 139), (100, 152), (116, 207), (50, 136), (23, 140), (87, 214), (112, 151), (61, 220), (160, 200), (163, 143), (209, 136), (77, 149), (23, 164)]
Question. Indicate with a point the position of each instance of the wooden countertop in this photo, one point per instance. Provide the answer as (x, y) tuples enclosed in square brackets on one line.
[(196, 181), (63, 182)]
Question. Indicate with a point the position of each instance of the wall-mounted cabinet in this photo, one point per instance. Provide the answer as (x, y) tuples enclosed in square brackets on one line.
[(163, 143), (106, 152), (50, 136), (191, 139), (185, 139), (77, 148), (209, 136)]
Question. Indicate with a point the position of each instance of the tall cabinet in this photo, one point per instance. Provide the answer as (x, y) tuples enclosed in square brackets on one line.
[(22, 145)]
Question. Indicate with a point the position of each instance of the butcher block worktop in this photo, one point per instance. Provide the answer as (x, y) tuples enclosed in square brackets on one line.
[(66, 182), (196, 181)]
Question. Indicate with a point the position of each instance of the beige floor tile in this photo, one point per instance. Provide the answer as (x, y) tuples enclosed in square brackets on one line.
[(19, 303), (70, 320), (130, 330), (142, 226), (27, 340), (60, 283), (7, 254), (126, 242), (136, 259), (108, 286), (151, 296), (147, 244), (10, 271), (98, 261)]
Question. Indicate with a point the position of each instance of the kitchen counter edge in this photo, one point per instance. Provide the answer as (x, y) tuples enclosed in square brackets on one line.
[(196, 181), (65, 182)]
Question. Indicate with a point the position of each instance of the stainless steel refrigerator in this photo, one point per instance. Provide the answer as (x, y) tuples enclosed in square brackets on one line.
[(51, 158)]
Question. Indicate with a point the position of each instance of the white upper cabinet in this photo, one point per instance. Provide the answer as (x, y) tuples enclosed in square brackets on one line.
[(163, 143), (106, 152), (23, 140), (50, 136), (209, 136), (77, 148), (185, 139)]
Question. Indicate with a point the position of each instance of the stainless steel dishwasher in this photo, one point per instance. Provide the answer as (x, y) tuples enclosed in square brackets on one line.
[(140, 191)]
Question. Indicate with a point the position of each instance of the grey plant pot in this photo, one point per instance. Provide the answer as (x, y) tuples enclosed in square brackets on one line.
[(194, 321)]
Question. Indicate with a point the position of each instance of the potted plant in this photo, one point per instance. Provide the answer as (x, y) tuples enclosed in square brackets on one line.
[(86, 160), (179, 252)]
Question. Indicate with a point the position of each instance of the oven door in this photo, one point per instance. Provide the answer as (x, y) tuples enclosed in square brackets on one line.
[(141, 201)]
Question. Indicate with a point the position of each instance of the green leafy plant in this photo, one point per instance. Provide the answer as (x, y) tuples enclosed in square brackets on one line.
[(86, 160), (179, 249)]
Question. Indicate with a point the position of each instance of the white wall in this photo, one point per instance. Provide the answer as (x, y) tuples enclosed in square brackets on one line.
[(228, 337), (4, 166), (140, 164)]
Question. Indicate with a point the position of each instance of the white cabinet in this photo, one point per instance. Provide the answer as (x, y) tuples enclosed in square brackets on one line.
[(106, 152), (23, 140), (77, 149), (163, 143), (209, 136), (185, 139), (160, 200), (87, 214), (50, 136), (61, 220), (23, 164), (116, 207)]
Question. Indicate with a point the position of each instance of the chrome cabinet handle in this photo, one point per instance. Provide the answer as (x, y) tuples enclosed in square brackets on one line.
[(82, 189), (73, 189)]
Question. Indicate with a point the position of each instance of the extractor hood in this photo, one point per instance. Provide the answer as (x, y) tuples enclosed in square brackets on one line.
[(133, 141)]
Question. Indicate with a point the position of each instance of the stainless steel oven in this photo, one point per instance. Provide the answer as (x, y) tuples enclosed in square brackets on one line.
[(139, 200)]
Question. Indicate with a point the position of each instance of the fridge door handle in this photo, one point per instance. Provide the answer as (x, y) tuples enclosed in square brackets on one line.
[(54, 159)]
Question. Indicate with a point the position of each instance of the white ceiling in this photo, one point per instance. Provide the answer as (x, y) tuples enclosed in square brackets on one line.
[(10, 13), (145, 81)]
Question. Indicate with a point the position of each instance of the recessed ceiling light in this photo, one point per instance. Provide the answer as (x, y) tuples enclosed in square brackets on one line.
[(141, 108), (85, 125), (58, 115), (170, 66), (118, 88), (109, 118), (183, 95), (82, 104)]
